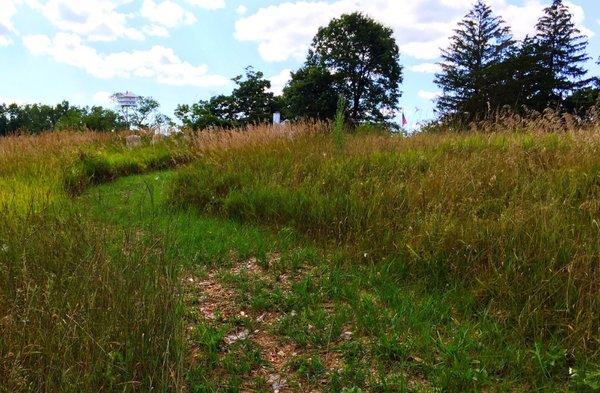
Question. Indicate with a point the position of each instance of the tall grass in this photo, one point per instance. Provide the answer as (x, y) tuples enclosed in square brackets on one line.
[(31, 166), (83, 307), (512, 217), (96, 167)]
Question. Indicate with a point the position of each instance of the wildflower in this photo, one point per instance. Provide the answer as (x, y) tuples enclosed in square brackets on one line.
[(365, 255), (4, 248)]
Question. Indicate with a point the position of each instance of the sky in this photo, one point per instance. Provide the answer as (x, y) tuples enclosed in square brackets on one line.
[(181, 51)]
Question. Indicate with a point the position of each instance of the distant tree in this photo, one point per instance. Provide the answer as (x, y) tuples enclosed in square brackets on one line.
[(4, 129), (310, 94), (36, 118), (100, 119), (582, 100), (363, 59), (475, 67), (145, 113), (71, 119), (561, 55), (252, 101), (216, 112)]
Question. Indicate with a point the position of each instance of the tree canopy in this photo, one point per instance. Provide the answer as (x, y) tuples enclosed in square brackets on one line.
[(310, 94), (363, 58), (251, 102), (560, 56), (36, 118), (483, 69)]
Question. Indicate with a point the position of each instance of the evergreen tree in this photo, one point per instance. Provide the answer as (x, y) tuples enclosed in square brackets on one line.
[(561, 54), (473, 68)]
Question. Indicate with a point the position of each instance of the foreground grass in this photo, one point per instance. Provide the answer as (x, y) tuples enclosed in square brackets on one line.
[(510, 222), (82, 307), (433, 263), (330, 324)]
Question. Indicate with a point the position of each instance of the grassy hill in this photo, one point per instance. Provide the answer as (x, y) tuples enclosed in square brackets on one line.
[(289, 258)]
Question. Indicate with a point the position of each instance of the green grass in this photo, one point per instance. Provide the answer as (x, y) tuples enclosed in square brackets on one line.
[(83, 307), (429, 263), (93, 168), (403, 333), (501, 229)]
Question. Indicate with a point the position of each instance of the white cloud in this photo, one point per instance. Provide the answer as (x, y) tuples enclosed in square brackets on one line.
[(579, 18), (166, 13), (102, 98), (155, 31), (421, 27), (8, 9), (208, 4), (279, 81), (158, 63), (96, 20), (241, 9), (425, 68), (284, 31), (429, 95)]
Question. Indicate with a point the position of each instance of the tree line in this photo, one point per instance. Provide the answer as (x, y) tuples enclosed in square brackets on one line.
[(485, 69), (356, 60), (354, 57), (36, 118)]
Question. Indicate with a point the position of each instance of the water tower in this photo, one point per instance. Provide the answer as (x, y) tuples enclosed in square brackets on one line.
[(125, 102)]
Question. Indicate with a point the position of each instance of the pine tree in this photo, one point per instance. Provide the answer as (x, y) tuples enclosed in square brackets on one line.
[(561, 54), (527, 76), (471, 66)]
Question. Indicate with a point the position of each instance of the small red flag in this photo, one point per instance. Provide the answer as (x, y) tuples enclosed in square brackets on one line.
[(404, 121)]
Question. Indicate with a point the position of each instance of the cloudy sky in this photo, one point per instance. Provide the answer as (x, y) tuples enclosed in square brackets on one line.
[(180, 51)]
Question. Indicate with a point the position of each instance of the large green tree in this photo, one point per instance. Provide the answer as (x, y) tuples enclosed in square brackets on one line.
[(475, 68), (363, 58), (310, 94), (561, 55)]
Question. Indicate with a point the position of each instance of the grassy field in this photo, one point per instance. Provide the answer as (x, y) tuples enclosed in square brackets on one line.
[(264, 260)]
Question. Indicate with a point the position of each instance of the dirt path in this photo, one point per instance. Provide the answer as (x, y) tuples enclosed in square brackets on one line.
[(209, 299)]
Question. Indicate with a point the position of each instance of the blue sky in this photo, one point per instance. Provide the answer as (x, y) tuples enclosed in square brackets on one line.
[(180, 51)]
